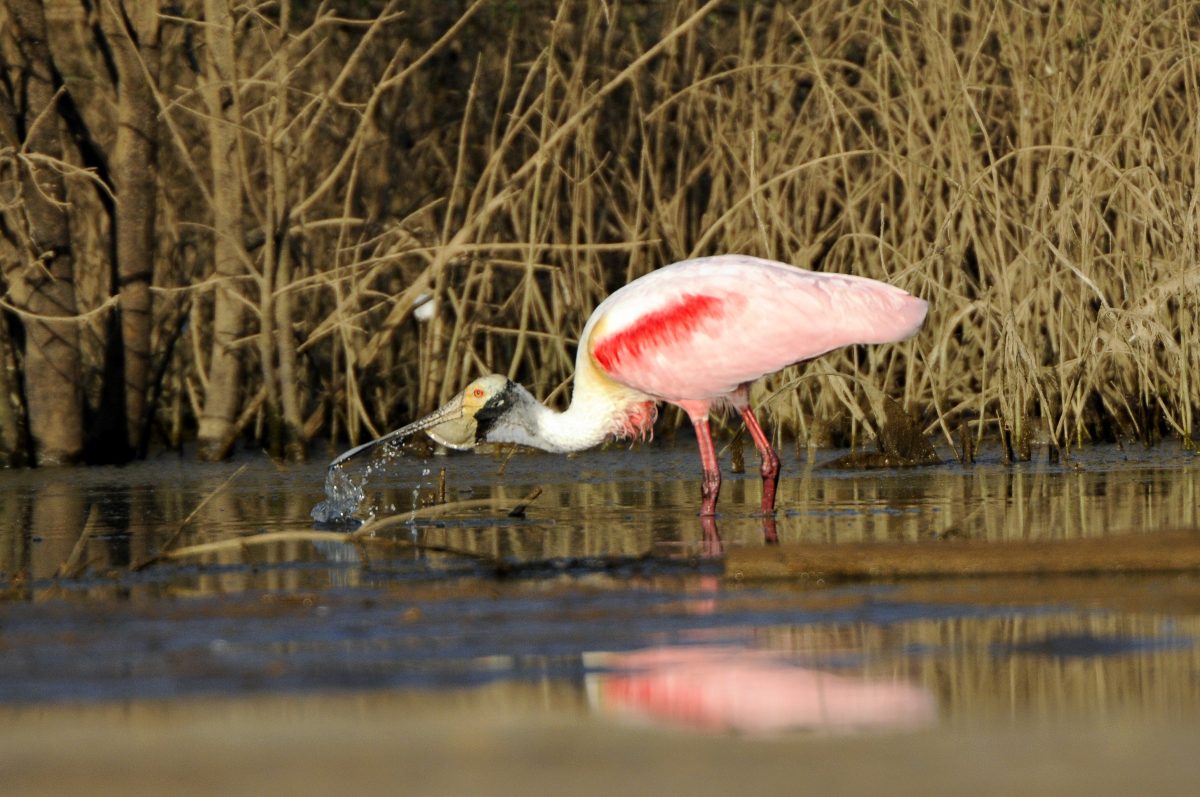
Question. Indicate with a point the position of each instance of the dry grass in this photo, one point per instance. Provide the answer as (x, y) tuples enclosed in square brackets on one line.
[(1030, 168)]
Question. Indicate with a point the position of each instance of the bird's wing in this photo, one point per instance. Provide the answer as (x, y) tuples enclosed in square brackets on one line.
[(699, 329)]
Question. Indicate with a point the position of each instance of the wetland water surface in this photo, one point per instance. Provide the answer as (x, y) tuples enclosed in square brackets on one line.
[(607, 604)]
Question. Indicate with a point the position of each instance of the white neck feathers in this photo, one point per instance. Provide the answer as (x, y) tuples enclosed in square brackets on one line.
[(599, 410)]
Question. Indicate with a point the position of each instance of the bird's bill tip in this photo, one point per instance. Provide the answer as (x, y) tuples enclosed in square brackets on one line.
[(451, 425)]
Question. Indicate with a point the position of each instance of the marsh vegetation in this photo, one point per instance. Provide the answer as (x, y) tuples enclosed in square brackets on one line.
[(284, 221)]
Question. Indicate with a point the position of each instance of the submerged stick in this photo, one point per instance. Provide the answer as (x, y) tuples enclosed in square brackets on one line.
[(73, 566), (441, 510), (1161, 552), (306, 535), (238, 543), (360, 536), (518, 511), (142, 565)]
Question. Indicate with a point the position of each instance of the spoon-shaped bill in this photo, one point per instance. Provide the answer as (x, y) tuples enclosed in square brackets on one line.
[(449, 425)]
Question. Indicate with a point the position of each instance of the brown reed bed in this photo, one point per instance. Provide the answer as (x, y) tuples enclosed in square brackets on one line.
[(428, 191)]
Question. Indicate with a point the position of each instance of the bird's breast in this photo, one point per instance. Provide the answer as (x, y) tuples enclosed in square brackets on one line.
[(637, 421)]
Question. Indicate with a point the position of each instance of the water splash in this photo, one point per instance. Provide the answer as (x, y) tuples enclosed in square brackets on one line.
[(345, 491), (343, 495)]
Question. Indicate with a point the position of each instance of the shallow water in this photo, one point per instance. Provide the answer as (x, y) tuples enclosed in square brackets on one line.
[(607, 600)]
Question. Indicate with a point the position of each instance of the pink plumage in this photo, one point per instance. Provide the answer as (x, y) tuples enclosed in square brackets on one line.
[(700, 329)]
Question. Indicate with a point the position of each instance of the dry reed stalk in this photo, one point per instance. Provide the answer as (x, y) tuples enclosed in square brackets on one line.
[(1031, 171)]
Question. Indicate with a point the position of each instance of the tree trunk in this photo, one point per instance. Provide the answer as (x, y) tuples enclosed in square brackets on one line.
[(279, 253), (132, 28), (14, 448), (289, 376), (218, 422), (43, 286), (13, 440)]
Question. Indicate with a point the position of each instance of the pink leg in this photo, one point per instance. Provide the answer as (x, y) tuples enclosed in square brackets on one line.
[(770, 460), (711, 485)]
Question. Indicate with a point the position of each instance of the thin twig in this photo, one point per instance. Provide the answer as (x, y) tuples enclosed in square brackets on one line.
[(165, 549), (238, 543), (441, 510), (242, 543), (74, 565)]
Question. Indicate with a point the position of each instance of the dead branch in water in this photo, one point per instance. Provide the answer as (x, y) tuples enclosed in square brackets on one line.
[(443, 510), (142, 565), (241, 543), (308, 535), (366, 534), (74, 564)]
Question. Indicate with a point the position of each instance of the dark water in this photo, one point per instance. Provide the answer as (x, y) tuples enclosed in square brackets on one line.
[(608, 598)]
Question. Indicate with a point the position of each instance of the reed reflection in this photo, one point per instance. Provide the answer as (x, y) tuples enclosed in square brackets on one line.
[(604, 504)]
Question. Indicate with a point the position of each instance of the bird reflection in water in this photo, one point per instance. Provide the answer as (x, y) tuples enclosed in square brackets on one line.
[(710, 541), (733, 688)]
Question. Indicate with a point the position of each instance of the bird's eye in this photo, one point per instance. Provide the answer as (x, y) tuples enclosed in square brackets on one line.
[(478, 392)]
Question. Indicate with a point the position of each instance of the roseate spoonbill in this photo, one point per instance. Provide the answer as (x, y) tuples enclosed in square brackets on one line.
[(695, 334)]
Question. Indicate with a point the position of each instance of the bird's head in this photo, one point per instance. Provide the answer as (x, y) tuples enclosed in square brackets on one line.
[(464, 421)]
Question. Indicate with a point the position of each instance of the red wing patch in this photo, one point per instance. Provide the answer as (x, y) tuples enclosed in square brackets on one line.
[(663, 326)]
